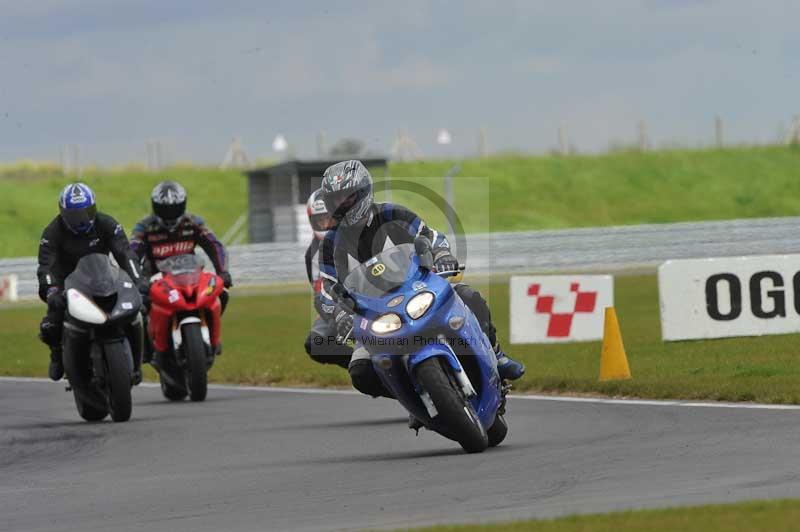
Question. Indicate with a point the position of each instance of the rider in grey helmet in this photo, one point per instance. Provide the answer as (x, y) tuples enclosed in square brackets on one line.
[(364, 230)]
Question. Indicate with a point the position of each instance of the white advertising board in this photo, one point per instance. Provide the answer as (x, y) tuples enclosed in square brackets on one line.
[(734, 296), (559, 308)]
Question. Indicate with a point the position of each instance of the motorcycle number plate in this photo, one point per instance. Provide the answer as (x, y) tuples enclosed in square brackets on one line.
[(173, 296)]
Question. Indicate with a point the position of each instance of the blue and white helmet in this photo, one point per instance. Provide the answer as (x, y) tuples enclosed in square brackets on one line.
[(77, 207)]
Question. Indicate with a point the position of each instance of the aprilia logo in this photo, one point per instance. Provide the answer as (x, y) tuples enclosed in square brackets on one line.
[(161, 251)]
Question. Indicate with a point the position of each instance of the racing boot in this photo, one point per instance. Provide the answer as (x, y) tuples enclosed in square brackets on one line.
[(508, 368), (56, 370)]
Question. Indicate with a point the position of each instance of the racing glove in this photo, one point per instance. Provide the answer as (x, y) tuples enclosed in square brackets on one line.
[(445, 262), (226, 279), (56, 299), (344, 325)]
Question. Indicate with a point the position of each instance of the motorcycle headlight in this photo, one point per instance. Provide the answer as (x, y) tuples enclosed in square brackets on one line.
[(419, 304), (386, 324)]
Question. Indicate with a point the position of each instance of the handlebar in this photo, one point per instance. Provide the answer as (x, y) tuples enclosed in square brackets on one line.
[(453, 273)]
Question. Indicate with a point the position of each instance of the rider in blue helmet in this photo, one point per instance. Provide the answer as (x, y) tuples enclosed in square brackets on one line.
[(78, 230), (77, 208)]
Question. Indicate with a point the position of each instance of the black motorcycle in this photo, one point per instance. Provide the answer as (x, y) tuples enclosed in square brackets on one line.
[(102, 306)]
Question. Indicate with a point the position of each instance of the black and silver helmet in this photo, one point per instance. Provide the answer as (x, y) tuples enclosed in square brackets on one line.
[(347, 191), (169, 202)]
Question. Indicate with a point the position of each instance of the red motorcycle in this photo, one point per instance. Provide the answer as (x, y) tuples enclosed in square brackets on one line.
[(184, 323)]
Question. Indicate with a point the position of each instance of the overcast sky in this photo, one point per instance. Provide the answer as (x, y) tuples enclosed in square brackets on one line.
[(108, 75)]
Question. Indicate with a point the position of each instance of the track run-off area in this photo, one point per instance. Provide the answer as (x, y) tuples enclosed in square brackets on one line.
[(254, 458)]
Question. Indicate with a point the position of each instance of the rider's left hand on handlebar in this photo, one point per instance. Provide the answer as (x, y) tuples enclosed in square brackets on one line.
[(226, 279), (344, 325), (445, 263)]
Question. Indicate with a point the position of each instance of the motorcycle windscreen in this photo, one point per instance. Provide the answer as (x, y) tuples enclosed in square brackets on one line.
[(382, 273), (95, 276), (184, 269)]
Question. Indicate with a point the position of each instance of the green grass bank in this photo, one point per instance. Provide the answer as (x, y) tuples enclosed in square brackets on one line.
[(501, 193)]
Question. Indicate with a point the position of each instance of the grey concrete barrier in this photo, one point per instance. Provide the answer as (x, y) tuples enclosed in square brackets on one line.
[(607, 249)]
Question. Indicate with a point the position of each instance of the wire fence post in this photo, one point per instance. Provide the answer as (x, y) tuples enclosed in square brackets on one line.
[(563, 147), (483, 149), (450, 196), (642, 139)]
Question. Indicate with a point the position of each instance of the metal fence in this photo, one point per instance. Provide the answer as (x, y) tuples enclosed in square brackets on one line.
[(592, 249)]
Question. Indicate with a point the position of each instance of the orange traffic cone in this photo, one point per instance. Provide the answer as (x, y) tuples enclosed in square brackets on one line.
[(613, 362)]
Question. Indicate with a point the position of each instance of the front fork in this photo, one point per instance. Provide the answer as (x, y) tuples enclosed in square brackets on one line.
[(177, 337), (443, 351), (98, 353)]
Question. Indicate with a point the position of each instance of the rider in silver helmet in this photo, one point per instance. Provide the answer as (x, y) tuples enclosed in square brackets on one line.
[(366, 228)]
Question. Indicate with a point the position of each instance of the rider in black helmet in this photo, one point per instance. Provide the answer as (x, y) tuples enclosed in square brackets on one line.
[(364, 230), (169, 231)]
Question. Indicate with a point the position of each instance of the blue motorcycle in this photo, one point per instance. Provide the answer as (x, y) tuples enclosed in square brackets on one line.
[(427, 346)]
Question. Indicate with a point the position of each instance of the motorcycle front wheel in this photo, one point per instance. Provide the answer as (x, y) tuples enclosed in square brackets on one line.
[(118, 381), (196, 363), (454, 411)]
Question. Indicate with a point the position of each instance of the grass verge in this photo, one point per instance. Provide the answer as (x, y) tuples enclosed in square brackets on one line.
[(263, 338), (511, 193), (31, 199), (772, 516)]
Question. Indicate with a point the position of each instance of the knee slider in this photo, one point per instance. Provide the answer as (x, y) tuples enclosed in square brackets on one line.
[(364, 378), (316, 347)]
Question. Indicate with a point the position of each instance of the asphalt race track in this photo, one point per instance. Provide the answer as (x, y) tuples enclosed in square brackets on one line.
[(250, 459)]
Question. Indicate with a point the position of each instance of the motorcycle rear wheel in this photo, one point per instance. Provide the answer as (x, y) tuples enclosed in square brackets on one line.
[(178, 391), (196, 363), (454, 411), (90, 400), (88, 403), (498, 431)]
